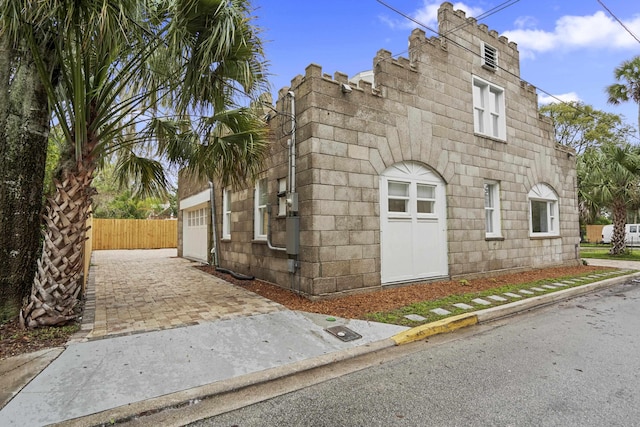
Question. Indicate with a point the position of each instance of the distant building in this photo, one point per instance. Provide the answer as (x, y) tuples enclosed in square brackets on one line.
[(433, 166)]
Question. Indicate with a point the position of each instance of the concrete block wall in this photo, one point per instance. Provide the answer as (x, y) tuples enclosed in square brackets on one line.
[(417, 109), (420, 109)]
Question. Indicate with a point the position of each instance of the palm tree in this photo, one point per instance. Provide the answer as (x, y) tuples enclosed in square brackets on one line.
[(141, 79), (628, 88), (609, 177)]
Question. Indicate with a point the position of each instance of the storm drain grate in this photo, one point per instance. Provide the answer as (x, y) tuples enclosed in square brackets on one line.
[(343, 333)]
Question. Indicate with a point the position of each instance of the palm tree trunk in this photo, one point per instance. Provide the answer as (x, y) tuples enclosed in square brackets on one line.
[(58, 281), (618, 239)]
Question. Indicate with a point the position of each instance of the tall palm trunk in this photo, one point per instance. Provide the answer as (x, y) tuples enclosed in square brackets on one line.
[(58, 281), (618, 239)]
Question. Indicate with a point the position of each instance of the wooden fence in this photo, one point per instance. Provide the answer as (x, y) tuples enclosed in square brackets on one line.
[(133, 233), (594, 233)]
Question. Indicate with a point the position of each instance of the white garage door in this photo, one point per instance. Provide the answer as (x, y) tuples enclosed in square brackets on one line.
[(413, 225), (195, 233)]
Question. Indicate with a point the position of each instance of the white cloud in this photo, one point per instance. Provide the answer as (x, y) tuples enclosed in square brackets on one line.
[(575, 32), (554, 99), (427, 15), (526, 22)]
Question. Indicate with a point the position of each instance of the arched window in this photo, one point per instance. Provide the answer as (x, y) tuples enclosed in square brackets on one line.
[(543, 211)]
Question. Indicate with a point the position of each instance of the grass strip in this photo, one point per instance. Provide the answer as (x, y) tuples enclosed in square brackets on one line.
[(423, 308)]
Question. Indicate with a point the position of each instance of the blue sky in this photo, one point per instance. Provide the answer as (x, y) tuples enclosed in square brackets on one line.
[(568, 48)]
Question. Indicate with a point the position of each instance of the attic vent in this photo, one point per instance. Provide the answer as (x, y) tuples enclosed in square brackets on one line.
[(489, 57)]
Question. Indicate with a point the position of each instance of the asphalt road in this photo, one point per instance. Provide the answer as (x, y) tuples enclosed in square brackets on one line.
[(576, 363)]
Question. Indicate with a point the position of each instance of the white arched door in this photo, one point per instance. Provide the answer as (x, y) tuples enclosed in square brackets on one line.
[(413, 224)]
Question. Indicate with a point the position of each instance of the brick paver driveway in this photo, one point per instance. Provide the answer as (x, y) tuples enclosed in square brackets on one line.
[(145, 290)]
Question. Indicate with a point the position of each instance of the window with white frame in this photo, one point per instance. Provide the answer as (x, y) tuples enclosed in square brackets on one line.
[(405, 199), (260, 215), (543, 211), (492, 209), (488, 109), (489, 57), (226, 214)]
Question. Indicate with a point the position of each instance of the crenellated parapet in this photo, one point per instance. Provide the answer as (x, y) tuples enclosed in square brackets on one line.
[(451, 20)]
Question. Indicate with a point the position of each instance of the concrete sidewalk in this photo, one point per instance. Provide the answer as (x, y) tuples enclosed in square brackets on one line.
[(124, 372), (96, 376), (154, 325)]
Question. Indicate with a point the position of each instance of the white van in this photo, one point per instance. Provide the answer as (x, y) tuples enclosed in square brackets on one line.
[(632, 234)]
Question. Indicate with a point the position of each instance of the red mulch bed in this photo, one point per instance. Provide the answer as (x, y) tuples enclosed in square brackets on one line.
[(356, 306)]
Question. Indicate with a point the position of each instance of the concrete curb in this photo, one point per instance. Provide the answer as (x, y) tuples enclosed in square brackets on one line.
[(191, 396), (449, 324), (453, 323)]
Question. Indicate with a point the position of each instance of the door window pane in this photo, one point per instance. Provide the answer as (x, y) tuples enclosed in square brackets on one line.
[(426, 206), (398, 196), (426, 199), (399, 189), (398, 205)]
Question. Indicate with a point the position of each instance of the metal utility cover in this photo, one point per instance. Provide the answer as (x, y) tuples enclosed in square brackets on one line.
[(343, 333)]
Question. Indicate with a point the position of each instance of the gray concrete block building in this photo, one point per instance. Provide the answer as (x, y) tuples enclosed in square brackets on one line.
[(433, 166)]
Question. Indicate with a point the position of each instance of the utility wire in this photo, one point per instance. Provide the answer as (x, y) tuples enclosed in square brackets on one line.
[(619, 21), (484, 15), (445, 37)]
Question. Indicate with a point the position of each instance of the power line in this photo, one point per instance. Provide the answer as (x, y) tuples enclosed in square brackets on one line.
[(619, 21), (445, 37), (484, 15)]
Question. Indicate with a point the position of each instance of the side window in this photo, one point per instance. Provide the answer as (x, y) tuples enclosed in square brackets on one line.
[(226, 214), (260, 214), (543, 211), (492, 209)]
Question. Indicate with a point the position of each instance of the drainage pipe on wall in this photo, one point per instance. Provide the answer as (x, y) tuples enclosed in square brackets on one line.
[(214, 234), (292, 145), (269, 244)]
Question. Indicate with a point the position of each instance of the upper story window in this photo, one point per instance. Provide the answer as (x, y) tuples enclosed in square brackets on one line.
[(492, 209), (489, 57), (543, 209), (226, 214), (488, 109), (260, 214)]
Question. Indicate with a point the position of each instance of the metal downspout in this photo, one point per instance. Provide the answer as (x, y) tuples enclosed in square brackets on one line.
[(214, 234), (269, 244), (295, 276), (292, 147)]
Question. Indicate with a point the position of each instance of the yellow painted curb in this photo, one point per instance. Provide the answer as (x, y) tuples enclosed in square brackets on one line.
[(449, 324)]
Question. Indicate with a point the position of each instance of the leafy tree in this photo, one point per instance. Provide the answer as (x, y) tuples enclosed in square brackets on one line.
[(580, 126), (584, 128), (142, 79), (628, 87), (609, 177)]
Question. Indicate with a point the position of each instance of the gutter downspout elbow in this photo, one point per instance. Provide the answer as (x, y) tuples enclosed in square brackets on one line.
[(269, 244)]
